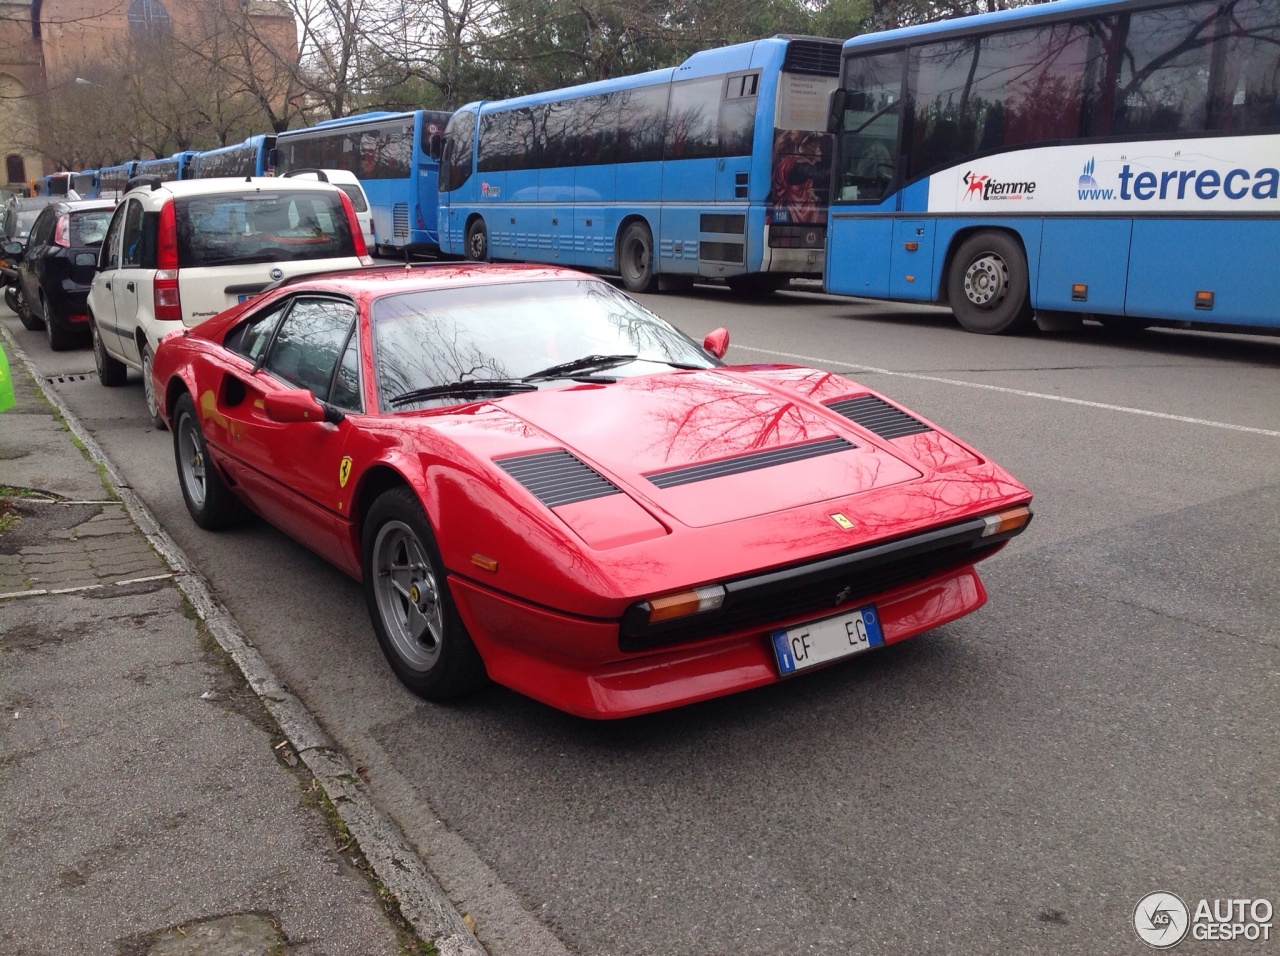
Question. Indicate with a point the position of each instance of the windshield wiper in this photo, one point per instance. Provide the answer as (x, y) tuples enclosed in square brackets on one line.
[(588, 363), (471, 388)]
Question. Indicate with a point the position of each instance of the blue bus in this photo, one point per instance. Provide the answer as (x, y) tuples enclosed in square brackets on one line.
[(717, 168), (170, 168), (396, 157), (253, 157), (85, 183), (1108, 158), (112, 179)]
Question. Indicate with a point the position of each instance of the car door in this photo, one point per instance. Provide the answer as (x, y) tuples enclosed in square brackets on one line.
[(28, 273), (102, 304), (293, 471), (131, 287)]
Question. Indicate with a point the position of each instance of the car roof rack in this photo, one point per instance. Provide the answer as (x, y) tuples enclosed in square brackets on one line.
[(319, 173), (137, 182)]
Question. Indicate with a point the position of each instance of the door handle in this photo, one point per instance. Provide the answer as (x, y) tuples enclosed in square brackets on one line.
[(107, 283), (129, 286)]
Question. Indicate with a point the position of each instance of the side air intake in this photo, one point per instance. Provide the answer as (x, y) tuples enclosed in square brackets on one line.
[(878, 416), (557, 478), (752, 462)]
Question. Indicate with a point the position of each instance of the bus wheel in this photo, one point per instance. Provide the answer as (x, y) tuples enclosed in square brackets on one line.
[(477, 241), (988, 287), (635, 259)]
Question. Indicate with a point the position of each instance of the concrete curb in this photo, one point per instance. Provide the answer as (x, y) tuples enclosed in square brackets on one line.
[(422, 901)]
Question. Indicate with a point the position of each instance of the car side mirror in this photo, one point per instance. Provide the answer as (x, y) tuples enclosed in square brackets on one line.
[(299, 405), (717, 343), (15, 249)]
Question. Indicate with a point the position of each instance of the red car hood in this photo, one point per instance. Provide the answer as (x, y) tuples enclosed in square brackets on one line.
[(748, 449)]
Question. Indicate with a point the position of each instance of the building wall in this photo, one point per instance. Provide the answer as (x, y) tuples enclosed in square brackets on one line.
[(20, 76)]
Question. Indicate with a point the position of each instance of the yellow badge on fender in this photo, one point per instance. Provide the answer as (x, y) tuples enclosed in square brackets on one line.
[(344, 471), (842, 521)]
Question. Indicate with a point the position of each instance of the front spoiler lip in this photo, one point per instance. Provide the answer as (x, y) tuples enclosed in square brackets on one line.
[(636, 633)]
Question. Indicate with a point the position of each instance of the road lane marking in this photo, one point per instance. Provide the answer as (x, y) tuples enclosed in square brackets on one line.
[(812, 360)]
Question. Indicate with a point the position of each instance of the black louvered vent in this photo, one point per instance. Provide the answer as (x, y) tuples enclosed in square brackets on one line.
[(877, 415), (557, 478), (752, 462), (813, 55)]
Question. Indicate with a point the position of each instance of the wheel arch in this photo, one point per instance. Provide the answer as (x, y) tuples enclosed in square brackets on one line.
[(372, 484), (957, 240), (626, 221)]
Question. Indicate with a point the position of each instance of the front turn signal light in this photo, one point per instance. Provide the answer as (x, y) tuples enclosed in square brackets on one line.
[(1002, 521), (684, 603)]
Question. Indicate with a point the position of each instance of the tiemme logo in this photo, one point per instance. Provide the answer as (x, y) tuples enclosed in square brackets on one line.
[(1183, 184), (984, 187)]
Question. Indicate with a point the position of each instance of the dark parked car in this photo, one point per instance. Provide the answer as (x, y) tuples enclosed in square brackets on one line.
[(57, 266), (20, 214)]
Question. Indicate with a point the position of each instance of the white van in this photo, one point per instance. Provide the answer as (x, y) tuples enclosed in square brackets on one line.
[(349, 184), (178, 253)]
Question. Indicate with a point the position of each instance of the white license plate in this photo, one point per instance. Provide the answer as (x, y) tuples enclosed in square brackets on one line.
[(808, 645)]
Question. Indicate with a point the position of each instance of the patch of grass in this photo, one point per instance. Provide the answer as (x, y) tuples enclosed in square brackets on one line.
[(349, 851)]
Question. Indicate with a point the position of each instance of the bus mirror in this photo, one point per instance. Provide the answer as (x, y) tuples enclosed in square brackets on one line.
[(433, 145), (273, 157), (835, 110)]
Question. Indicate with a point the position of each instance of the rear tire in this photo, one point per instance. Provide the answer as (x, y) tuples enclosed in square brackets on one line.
[(412, 611), (477, 241), (111, 373), (60, 337), (149, 389), (988, 287), (635, 259), (209, 501)]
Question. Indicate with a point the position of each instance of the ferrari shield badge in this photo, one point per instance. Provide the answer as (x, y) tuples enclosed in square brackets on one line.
[(839, 519), (344, 471)]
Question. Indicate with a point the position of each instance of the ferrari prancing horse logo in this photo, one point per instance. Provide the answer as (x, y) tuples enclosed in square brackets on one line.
[(344, 471), (842, 521)]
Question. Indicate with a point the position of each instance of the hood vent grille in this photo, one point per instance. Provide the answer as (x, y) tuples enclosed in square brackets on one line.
[(878, 416), (557, 478), (752, 462)]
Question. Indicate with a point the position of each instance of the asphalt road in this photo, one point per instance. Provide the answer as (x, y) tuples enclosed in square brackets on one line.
[(1011, 783)]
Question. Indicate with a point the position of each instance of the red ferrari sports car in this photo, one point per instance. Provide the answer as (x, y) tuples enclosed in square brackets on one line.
[(539, 481)]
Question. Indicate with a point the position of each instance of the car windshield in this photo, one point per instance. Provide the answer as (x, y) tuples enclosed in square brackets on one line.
[(509, 331), (356, 195), (280, 226), (27, 219), (89, 228)]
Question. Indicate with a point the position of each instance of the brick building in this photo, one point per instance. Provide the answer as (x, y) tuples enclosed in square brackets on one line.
[(45, 45)]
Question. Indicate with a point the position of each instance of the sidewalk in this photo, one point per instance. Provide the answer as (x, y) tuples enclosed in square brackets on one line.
[(149, 802)]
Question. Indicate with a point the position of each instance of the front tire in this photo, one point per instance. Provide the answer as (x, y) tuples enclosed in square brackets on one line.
[(23, 308), (149, 389), (635, 259), (413, 613), (988, 286), (477, 241), (209, 501), (111, 372)]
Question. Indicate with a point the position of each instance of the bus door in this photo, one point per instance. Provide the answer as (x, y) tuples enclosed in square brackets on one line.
[(689, 173), (456, 162)]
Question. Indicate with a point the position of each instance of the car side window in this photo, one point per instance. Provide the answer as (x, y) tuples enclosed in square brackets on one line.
[(42, 229), (131, 254), (250, 337), (346, 383), (309, 341), (109, 257)]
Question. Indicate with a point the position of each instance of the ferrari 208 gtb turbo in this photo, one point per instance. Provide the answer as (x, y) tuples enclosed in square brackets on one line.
[(541, 482)]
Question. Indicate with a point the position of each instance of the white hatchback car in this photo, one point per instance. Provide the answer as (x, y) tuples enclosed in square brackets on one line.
[(180, 252), (349, 184)]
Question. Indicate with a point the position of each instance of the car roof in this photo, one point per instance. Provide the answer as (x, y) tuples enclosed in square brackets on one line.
[(85, 205), (180, 189), (379, 281)]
